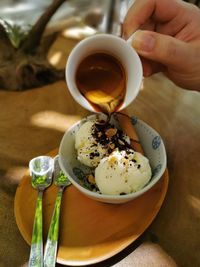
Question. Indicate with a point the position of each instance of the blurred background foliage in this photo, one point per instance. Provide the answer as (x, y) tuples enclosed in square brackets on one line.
[(103, 15)]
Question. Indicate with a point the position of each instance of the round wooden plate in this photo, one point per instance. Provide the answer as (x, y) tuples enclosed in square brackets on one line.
[(90, 231)]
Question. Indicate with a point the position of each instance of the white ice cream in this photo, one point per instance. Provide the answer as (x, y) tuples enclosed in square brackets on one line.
[(122, 172), (86, 146)]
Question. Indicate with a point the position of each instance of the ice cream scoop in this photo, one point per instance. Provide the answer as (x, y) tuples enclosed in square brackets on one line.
[(89, 152), (96, 140), (122, 172)]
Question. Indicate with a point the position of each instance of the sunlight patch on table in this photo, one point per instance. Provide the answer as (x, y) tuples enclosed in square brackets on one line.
[(15, 174), (25, 264), (55, 58), (194, 202), (79, 32), (54, 120)]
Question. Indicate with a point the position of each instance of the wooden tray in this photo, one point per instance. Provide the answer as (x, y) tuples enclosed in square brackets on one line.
[(90, 231)]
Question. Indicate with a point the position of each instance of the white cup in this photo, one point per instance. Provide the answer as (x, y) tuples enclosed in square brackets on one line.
[(114, 46)]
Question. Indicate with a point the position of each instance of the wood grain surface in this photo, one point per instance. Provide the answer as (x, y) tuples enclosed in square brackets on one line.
[(33, 123)]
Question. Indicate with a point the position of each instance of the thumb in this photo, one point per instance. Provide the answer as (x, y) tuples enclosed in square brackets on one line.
[(161, 48)]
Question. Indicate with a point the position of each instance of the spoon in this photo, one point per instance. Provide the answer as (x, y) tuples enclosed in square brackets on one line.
[(61, 181), (41, 169)]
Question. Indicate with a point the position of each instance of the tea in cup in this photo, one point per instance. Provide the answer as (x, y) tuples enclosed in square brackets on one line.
[(104, 73)]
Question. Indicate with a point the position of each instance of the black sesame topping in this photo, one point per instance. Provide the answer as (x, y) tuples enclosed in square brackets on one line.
[(94, 154), (117, 140)]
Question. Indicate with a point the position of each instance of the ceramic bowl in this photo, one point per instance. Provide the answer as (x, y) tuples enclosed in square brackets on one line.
[(151, 142)]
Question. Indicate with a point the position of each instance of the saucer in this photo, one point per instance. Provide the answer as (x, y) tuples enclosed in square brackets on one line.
[(90, 231)]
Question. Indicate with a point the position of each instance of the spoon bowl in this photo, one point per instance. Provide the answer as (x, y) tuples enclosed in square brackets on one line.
[(41, 169)]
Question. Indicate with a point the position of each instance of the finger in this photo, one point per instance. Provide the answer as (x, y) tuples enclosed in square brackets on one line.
[(137, 15), (172, 27), (180, 22), (142, 10), (162, 48), (189, 32), (149, 25), (151, 67)]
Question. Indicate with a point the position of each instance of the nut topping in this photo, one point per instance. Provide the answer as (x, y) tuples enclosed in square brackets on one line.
[(112, 146), (111, 132), (121, 142), (91, 179)]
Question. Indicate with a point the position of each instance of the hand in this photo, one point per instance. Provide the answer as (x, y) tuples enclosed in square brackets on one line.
[(168, 39)]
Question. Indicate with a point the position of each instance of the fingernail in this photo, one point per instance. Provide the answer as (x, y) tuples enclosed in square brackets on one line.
[(143, 41), (124, 35)]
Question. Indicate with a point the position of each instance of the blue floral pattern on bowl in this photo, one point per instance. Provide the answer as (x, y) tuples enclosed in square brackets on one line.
[(134, 120), (78, 173), (156, 169), (156, 142), (82, 180)]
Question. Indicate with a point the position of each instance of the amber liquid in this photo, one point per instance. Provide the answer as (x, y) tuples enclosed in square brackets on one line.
[(101, 79)]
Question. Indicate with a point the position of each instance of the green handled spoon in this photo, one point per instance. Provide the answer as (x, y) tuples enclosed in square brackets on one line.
[(41, 169), (61, 181)]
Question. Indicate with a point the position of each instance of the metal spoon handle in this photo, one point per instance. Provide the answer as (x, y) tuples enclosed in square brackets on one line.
[(52, 239), (36, 254)]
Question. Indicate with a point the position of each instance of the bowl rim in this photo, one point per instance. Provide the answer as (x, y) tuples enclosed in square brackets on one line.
[(101, 196)]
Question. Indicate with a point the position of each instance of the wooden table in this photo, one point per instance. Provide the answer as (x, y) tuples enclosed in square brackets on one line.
[(33, 122)]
